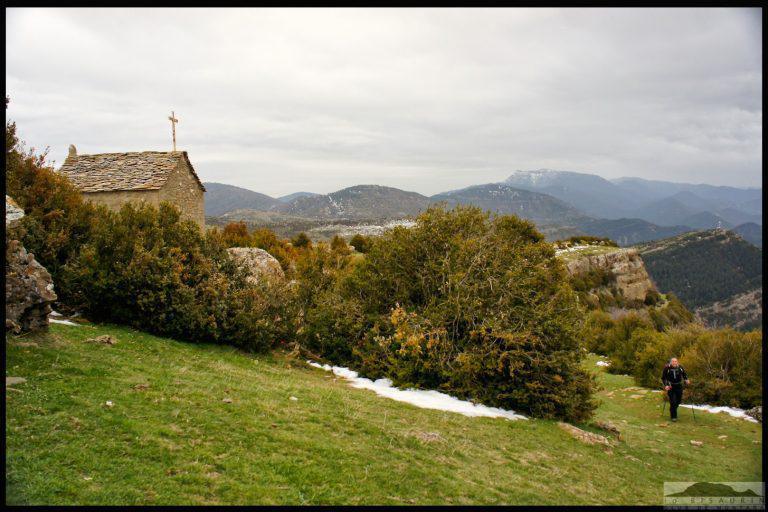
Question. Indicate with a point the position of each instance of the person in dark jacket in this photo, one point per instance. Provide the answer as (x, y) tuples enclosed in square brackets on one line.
[(673, 377)]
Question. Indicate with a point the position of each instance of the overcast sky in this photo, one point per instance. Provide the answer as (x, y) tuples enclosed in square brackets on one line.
[(282, 100)]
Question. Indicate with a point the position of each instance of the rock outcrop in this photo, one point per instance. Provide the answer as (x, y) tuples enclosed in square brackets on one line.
[(756, 412), (626, 264), (258, 263), (28, 285)]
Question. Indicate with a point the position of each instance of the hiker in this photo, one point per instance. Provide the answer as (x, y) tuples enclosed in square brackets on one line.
[(673, 377)]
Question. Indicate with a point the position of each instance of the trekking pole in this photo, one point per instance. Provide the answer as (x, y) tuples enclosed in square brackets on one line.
[(693, 411)]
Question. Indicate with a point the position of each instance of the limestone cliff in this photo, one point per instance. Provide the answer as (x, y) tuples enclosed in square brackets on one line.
[(626, 265)]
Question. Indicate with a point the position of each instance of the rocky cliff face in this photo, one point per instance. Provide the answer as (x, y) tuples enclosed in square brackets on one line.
[(28, 285), (626, 264)]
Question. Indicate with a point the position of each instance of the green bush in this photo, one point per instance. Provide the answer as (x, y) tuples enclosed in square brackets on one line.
[(652, 357), (724, 365), (594, 278), (672, 313), (486, 301), (622, 343), (361, 243), (596, 325), (301, 241), (652, 297), (331, 321), (57, 220), (338, 245), (149, 269)]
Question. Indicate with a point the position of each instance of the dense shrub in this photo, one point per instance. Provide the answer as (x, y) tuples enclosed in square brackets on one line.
[(332, 322), (724, 365), (726, 368), (339, 246), (652, 297), (594, 278), (624, 338), (595, 329), (361, 243), (57, 220), (585, 240), (670, 314), (653, 356), (484, 299), (301, 241), (236, 234), (148, 268)]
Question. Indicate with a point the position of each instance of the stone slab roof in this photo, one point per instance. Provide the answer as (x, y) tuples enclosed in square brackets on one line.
[(105, 172)]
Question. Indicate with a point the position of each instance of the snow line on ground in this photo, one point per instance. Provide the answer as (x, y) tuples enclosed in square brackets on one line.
[(426, 399), (733, 411), (603, 363), (65, 322)]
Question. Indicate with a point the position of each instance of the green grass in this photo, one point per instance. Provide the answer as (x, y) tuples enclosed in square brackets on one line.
[(177, 442)]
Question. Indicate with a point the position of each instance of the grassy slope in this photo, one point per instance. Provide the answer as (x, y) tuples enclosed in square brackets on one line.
[(177, 442)]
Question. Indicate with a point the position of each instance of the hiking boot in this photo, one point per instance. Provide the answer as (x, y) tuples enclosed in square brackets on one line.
[(674, 419)]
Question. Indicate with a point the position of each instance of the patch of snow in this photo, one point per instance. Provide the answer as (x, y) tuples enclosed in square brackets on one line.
[(426, 399), (54, 313), (571, 249), (603, 363), (63, 322), (733, 411), (344, 230)]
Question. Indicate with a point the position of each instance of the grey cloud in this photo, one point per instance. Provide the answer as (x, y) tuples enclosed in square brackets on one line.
[(426, 100)]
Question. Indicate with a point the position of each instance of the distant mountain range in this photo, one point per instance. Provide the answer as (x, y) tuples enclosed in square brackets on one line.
[(361, 202), (595, 196), (715, 273), (504, 199), (561, 203), (660, 202), (221, 198), (295, 195)]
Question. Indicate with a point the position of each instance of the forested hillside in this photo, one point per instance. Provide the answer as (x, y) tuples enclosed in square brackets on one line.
[(705, 267)]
